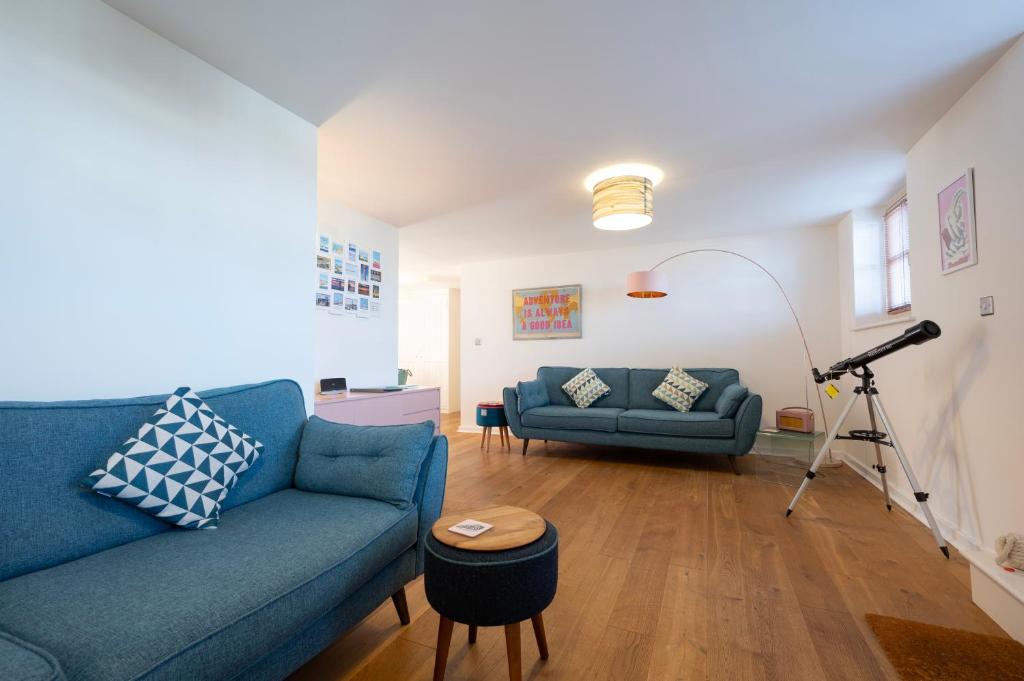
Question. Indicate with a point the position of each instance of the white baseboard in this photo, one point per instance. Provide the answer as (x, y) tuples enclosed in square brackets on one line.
[(999, 593), (469, 429)]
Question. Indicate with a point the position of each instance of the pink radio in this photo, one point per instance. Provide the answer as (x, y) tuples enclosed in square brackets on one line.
[(799, 419)]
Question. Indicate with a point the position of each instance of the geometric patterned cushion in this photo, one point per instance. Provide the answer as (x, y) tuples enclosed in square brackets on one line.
[(679, 390), (181, 464), (585, 388)]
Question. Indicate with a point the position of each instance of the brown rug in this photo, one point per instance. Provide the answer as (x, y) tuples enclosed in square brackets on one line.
[(925, 652)]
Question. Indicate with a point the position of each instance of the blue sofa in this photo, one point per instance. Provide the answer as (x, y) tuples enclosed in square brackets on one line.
[(92, 589), (630, 416)]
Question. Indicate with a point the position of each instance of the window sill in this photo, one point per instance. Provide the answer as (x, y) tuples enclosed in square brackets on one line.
[(902, 319)]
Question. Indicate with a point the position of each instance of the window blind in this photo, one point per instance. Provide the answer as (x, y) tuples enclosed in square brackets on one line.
[(897, 258)]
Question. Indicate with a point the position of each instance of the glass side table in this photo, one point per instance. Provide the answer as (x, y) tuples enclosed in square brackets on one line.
[(783, 456)]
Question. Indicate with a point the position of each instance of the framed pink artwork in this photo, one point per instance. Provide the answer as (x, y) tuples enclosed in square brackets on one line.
[(958, 236)]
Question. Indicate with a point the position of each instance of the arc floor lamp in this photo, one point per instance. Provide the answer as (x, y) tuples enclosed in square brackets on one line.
[(653, 283)]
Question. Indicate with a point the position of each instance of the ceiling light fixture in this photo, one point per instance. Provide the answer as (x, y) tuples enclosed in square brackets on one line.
[(623, 195)]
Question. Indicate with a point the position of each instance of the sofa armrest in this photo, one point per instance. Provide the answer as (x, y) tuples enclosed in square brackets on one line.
[(748, 420), (511, 401), (22, 661), (430, 492)]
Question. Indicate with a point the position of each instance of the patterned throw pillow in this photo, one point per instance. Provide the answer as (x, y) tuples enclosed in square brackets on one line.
[(585, 388), (181, 464), (679, 390)]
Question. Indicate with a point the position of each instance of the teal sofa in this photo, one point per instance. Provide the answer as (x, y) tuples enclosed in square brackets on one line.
[(630, 416), (92, 589)]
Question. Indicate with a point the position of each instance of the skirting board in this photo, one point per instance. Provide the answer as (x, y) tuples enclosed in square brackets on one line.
[(999, 593)]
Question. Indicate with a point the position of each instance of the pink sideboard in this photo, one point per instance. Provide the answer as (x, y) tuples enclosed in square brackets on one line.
[(382, 409)]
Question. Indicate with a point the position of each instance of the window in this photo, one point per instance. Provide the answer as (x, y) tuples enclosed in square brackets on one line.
[(897, 258)]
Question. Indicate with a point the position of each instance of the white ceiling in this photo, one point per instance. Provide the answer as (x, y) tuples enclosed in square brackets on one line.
[(471, 124)]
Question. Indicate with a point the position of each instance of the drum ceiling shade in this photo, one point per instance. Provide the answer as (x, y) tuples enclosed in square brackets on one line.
[(622, 203), (647, 284)]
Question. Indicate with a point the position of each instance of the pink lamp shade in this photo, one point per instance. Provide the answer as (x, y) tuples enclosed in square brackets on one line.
[(647, 284)]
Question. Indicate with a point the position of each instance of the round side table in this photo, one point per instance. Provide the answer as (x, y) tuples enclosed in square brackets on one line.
[(490, 415), (502, 577)]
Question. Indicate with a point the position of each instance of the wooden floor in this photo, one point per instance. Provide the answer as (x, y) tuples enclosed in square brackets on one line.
[(673, 568)]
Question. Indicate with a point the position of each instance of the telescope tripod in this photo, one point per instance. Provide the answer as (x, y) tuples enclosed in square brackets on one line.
[(878, 439)]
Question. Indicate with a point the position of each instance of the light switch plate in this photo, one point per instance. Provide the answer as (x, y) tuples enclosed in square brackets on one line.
[(477, 341), (987, 306)]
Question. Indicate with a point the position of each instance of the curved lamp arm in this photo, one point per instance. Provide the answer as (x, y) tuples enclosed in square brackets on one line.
[(789, 303)]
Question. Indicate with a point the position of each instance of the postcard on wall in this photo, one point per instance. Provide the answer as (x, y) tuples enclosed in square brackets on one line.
[(548, 312), (364, 289), (375, 275), (350, 285), (323, 262), (364, 256), (324, 281), (323, 300), (364, 273), (352, 250), (351, 304), (337, 303), (376, 260), (958, 235), (323, 243), (337, 284), (376, 291), (351, 271), (337, 248), (374, 308), (339, 266), (364, 307)]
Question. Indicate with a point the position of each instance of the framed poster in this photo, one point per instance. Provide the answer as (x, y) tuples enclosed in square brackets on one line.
[(547, 312), (958, 236)]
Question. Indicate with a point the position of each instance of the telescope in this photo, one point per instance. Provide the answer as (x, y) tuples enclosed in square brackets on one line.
[(858, 366), (915, 335)]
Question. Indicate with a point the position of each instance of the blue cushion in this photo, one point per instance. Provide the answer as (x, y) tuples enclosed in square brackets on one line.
[(730, 400), (572, 418), (180, 465), (22, 661), (532, 394), (671, 422), (616, 379), (190, 605), (46, 448), (375, 462), (642, 383)]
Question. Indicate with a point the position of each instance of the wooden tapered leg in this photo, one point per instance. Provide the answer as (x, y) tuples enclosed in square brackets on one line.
[(444, 640), (488, 438), (401, 605), (526, 443), (538, 632), (732, 464), (512, 649), (472, 634), (483, 437)]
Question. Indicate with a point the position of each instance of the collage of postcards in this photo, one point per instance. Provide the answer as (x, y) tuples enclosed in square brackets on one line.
[(348, 278)]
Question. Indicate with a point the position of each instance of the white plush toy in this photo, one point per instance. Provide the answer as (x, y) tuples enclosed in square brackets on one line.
[(1010, 551)]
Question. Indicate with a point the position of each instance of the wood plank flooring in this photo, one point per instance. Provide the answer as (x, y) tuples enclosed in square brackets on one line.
[(671, 568)]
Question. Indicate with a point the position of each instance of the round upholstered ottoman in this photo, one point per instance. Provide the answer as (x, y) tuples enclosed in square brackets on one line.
[(490, 415), (486, 588)]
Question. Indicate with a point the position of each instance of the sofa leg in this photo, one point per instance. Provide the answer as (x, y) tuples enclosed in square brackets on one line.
[(526, 443), (732, 464), (401, 605)]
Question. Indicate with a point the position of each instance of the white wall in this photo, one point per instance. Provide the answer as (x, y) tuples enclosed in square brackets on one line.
[(954, 401), (156, 215), (721, 312), (364, 350)]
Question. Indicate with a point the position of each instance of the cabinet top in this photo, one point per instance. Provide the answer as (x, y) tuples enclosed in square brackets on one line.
[(348, 396)]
